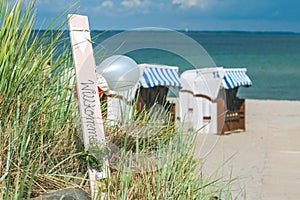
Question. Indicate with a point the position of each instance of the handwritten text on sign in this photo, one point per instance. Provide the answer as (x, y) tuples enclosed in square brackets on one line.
[(88, 99)]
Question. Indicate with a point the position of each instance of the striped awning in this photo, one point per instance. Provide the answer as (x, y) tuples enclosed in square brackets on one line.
[(236, 78), (159, 75)]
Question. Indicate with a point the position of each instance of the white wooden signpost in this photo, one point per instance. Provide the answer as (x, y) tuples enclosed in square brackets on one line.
[(86, 83)]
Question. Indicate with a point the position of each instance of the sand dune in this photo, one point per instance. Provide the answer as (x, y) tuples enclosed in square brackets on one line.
[(266, 157)]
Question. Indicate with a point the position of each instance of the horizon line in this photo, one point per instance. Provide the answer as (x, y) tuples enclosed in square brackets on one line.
[(192, 30)]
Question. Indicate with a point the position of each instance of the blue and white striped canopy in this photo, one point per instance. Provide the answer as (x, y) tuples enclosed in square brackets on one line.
[(236, 78), (159, 75)]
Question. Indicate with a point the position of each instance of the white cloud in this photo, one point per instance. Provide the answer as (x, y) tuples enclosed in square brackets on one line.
[(188, 3), (116, 8), (132, 7), (131, 3), (107, 4), (192, 3)]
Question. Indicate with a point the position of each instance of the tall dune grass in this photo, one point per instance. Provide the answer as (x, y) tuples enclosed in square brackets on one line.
[(40, 146), (35, 112)]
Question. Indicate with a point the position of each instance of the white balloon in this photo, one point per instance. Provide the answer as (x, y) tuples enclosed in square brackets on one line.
[(121, 72)]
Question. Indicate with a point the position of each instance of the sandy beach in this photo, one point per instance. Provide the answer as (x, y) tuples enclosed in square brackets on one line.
[(265, 158)]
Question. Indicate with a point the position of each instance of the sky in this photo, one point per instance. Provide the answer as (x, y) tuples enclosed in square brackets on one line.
[(240, 15)]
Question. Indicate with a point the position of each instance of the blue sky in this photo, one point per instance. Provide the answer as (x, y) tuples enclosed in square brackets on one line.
[(246, 15)]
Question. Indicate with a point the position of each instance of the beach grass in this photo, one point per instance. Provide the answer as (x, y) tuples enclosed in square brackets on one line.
[(35, 112), (40, 145)]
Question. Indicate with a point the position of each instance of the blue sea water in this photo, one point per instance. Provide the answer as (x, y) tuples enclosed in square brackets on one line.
[(272, 59)]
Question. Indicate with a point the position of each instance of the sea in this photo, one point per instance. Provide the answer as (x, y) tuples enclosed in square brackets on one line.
[(272, 59)]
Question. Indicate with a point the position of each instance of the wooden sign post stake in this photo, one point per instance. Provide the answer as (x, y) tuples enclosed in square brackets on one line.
[(89, 104)]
